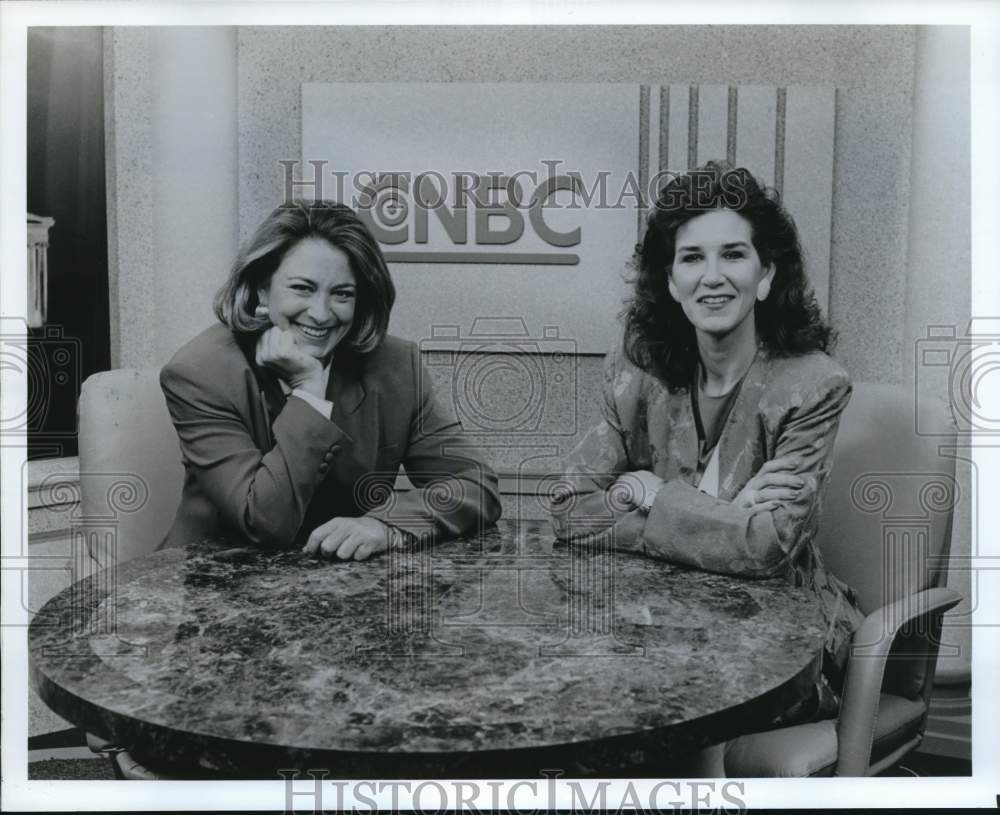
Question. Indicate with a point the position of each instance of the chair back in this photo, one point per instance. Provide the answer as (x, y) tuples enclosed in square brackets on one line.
[(887, 509), (887, 516), (131, 474)]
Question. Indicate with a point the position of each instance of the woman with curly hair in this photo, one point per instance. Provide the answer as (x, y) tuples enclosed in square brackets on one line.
[(720, 411)]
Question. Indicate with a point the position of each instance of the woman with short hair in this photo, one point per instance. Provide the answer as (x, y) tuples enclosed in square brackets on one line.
[(295, 412)]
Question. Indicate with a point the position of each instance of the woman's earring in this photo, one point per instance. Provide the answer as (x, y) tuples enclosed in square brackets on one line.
[(261, 312), (763, 289)]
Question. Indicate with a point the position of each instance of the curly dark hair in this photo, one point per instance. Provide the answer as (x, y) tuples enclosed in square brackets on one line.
[(659, 338)]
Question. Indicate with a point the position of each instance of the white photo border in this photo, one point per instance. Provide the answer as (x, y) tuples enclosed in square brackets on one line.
[(980, 790)]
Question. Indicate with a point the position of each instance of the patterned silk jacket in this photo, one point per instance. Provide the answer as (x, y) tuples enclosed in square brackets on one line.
[(787, 406)]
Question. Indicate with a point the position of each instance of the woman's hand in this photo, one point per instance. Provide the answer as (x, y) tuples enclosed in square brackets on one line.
[(640, 487), (347, 538), (277, 350), (772, 484)]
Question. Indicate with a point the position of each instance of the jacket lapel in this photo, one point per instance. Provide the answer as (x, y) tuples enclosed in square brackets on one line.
[(347, 391), (686, 435), (346, 387), (271, 390), (736, 447), (671, 437)]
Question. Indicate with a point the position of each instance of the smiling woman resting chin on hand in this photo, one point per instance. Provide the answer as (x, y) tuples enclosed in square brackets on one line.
[(296, 411)]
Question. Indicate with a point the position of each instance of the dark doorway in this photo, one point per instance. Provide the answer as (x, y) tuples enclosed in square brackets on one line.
[(66, 182)]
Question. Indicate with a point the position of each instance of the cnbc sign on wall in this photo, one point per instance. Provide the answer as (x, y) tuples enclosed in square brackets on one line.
[(508, 200)]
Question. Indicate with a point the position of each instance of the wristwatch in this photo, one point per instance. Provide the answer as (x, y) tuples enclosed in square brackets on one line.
[(402, 541), (648, 497)]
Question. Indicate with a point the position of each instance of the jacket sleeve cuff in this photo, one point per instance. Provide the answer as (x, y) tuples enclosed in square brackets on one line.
[(695, 529), (323, 406)]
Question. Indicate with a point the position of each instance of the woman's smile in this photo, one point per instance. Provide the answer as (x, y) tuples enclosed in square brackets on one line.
[(315, 333), (716, 301)]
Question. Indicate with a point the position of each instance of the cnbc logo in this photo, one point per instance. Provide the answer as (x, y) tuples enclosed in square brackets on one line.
[(462, 217)]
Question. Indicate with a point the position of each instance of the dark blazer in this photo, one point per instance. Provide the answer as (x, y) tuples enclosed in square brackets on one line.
[(270, 468), (787, 406)]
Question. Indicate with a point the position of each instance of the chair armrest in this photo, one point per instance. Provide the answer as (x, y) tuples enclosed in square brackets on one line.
[(866, 666), (97, 744)]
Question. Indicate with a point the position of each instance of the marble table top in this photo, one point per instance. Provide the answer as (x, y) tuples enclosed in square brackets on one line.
[(482, 657)]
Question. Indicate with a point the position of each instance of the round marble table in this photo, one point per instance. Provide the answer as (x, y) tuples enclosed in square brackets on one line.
[(497, 657)]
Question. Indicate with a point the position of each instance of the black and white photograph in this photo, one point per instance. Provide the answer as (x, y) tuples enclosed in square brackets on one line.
[(465, 409)]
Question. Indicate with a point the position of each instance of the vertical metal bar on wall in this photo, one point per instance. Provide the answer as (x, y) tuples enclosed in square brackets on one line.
[(664, 128), (731, 124), (692, 159), (779, 142), (645, 125)]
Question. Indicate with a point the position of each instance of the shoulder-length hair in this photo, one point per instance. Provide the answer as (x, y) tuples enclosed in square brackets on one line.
[(290, 223), (659, 338)]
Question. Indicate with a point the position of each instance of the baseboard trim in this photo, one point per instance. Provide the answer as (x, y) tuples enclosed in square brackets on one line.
[(949, 725), (58, 739), (61, 480)]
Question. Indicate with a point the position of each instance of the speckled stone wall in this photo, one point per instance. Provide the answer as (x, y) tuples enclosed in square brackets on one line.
[(130, 197), (871, 67), (171, 145)]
